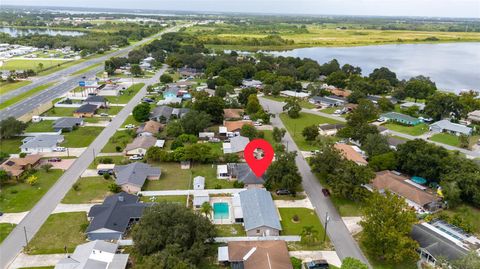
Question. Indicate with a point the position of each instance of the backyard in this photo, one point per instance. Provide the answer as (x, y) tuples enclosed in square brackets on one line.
[(43, 126), (90, 190), (81, 137), (410, 130), (59, 231), (230, 230), (181, 199), (60, 112)]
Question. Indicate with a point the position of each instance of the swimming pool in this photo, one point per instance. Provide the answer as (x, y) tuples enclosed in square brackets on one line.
[(220, 211)]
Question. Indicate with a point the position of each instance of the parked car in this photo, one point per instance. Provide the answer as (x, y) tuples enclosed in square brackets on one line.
[(60, 149), (317, 264), (257, 123), (326, 192), (105, 171), (136, 157), (104, 114), (214, 140), (92, 94), (283, 192), (129, 126), (55, 160), (147, 100), (246, 117)]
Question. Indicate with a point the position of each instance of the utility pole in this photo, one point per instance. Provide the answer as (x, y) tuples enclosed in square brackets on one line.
[(327, 218), (26, 238)]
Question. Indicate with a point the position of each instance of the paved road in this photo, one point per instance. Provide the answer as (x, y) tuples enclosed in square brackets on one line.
[(338, 233), (15, 242), (65, 82)]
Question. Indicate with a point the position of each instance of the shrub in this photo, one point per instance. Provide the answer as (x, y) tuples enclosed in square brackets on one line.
[(22, 155), (296, 218), (32, 180), (114, 188), (118, 149), (106, 160), (46, 167), (238, 184), (76, 186), (106, 176)]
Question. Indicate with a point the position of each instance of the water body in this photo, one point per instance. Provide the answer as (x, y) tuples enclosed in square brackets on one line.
[(15, 32), (452, 66)]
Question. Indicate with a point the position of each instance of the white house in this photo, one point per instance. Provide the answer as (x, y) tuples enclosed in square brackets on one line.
[(41, 143), (450, 127)]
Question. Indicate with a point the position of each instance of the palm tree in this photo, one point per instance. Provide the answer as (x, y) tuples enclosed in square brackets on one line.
[(309, 235), (206, 209)]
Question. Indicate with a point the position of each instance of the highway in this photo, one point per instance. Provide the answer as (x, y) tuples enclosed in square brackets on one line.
[(65, 82), (344, 244), (15, 242)]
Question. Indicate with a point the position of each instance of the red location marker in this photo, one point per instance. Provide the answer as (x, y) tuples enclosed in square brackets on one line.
[(258, 166)]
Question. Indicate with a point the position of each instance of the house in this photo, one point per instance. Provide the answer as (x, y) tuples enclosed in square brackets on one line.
[(251, 83), (99, 101), (85, 111), (233, 113), (96, 254), (242, 173), (417, 196), (375, 98), (408, 105), (198, 183), (445, 126), (435, 243), (237, 144), (67, 124), (140, 145), (474, 116), (169, 101), (41, 143), (400, 118), (165, 113), (236, 126), (149, 128), (16, 166), (352, 153), (268, 254), (326, 101), (330, 129), (171, 91), (189, 72), (340, 92), (395, 142), (112, 219), (260, 216), (131, 177), (200, 197), (294, 94)]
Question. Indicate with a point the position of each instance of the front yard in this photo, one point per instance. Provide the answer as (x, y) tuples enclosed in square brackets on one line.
[(11, 145), (60, 112), (81, 137), (90, 190), (114, 159), (22, 197), (127, 96), (410, 130), (303, 103), (59, 231), (119, 139), (43, 126), (5, 229)]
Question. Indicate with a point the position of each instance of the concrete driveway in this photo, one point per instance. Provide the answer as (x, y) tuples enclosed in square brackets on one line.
[(90, 173), (14, 218), (24, 260), (64, 164), (330, 256), (305, 203), (76, 152)]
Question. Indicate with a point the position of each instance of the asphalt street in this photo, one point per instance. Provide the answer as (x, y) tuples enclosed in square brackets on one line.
[(344, 244)]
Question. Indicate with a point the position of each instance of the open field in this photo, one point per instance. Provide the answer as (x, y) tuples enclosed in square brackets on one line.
[(229, 36), (81, 137), (119, 139), (59, 231), (411, 130), (5, 229), (6, 86), (25, 95), (90, 190), (296, 126), (129, 93), (24, 64), (19, 197)]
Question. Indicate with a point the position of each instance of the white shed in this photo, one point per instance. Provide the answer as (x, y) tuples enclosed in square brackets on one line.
[(198, 183)]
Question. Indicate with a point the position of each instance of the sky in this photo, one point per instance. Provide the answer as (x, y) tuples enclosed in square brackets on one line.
[(430, 8)]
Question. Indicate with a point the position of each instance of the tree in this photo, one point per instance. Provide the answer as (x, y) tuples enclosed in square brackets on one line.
[(169, 228), (384, 73), (309, 235), (351, 263), (253, 105), (166, 78), (40, 66), (249, 131), (278, 134), (469, 261), (351, 70), (464, 141), (32, 180), (385, 105), (136, 70), (213, 106), (292, 107), (441, 105), (326, 161), (194, 122), (283, 173), (4, 177), (174, 128), (206, 209), (310, 133), (358, 126), (114, 188), (141, 112), (420, 88), (386, 226), (244, 94), (46, 167), (385, 161), (10, 127), (348, 180), (375, 144), (337, 79)]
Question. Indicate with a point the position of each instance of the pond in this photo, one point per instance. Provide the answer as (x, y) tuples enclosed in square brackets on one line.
[(453, 66), (15, 32)]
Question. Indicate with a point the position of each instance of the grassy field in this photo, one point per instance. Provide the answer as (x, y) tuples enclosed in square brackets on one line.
[(130, 120), (296, 126), (325, 35), (24, 64), (11, 145), (347, 208), (230, 230), (25, 95), (5, 229), (447, 139), (86, 69), (81, 137), (59, 231), (6, 86), (120, 138), (303, 103), (129, 93), (43, 126), (90, 190), (60, 112), (410, 130), (22, 197)]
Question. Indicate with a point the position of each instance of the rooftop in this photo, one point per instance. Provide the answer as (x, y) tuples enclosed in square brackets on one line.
[(144, 142), (135, 173), (96, 254), (86, 108), (267, 254), (258, 209), (350, 153)]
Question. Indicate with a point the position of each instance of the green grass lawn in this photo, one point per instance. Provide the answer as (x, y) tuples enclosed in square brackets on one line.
[(347, 208), (86, 69), (22, 64), (181, 199), (330, 110), (91, 190), (288, 197), (230, 230), (25, 95), (5, 229), (448, 139), (22, 197), (7, 86), (60, 112), (43, 126), (130, 120), (303, 103), (120, 138), (115, 159), (112, 110), (60, 230), (296, 126), (410, 130), (11, 145), (307, 217), (81, 137), (127, 96)]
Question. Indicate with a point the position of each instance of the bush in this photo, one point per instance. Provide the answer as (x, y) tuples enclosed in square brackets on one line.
[(22, 154), (106, 176), (46, 167), (297, 263), (237, 184), (76, 186), (296, 218), (106, 160), (113, 187), (118, 149)]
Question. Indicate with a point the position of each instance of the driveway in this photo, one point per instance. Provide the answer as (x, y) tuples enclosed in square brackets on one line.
[(63, 208), (76, 152), (90, 173), (294, 203), (24, 260), (330, 256), (353, 224), (64, 164), (14, 218)]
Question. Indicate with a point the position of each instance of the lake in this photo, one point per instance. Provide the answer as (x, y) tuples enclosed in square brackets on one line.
[(15, 32), (452, 66)]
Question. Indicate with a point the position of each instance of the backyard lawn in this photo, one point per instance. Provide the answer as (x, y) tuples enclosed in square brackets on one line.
[(296, 126), (60, 112), (468, 213), (5, 229), (230, 230), (11, 145), (127, 96), (22, 197), (10, 86), (81, 137), (43, 126), (303, 103), (181, 199), (410, 130), (120, 139), (59, 231), (90, 190)]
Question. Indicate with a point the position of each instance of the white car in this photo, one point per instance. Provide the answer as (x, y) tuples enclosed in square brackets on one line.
[(103, 114), (59, 149), (135, 157), (129, 126), (257, 123)]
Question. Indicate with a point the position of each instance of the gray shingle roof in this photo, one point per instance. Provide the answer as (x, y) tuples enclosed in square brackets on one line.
[(450, 126), (95, 99), (135, 173), (42, 141), (87, 108), (244, 174), (115, 212), (258, 209), (162, 111), (238, 144), (81, 257), (67, 123)]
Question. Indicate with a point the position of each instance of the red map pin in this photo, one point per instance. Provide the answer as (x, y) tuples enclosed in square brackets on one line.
[(258, 166)]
